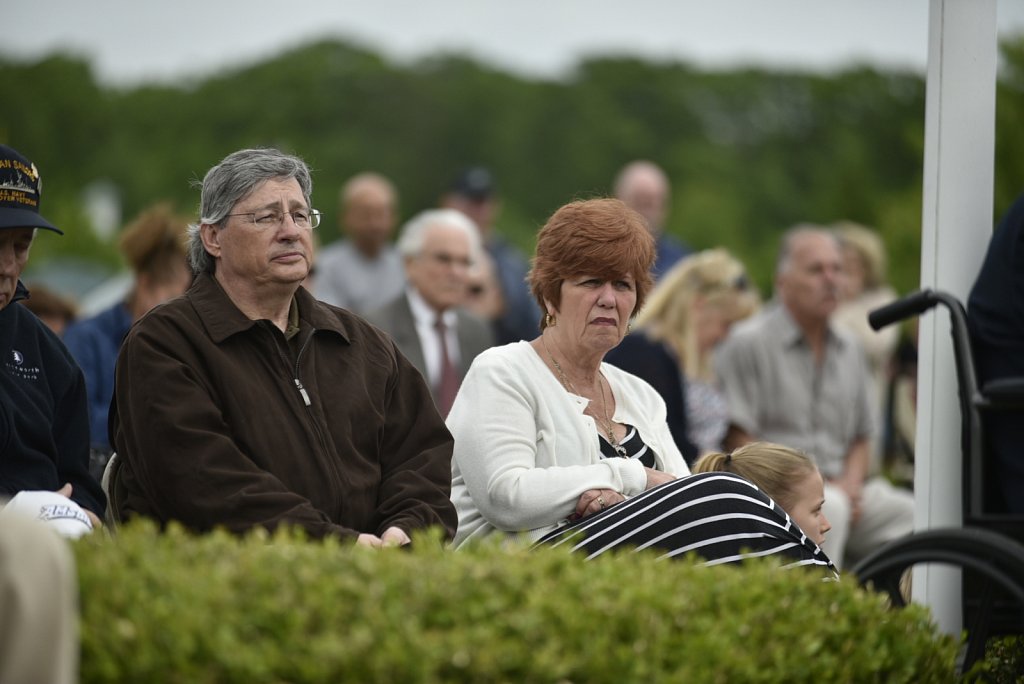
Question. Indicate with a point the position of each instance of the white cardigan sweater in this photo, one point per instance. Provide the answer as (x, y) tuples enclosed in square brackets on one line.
[(525, 451)]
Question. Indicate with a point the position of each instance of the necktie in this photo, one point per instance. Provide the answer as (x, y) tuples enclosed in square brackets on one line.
[(448, 382)]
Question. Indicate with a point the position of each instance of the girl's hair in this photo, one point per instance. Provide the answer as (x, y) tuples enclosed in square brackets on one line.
[(774, 468), (719, 280)]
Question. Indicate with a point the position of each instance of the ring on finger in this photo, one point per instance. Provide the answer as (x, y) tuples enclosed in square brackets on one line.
[(600, 501)]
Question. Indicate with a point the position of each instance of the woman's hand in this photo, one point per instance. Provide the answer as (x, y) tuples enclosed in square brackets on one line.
[(657, 477), (594, 501)]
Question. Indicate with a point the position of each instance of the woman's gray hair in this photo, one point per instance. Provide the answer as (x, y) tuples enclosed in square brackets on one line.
[(232, 180), (410, 242)]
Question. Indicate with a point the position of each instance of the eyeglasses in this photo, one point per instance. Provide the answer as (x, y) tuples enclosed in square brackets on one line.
[(302, 218), (740, 283), (448, 260)]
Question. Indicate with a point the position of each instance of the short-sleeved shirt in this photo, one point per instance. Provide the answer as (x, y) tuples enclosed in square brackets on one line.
[(777, 392)]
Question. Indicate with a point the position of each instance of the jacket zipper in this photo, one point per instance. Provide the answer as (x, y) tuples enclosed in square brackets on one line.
[(300, 387), (302, 391), (330, 463), (295, 373)]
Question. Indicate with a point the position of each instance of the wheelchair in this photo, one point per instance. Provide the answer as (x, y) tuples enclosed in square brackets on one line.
[(989, 548)]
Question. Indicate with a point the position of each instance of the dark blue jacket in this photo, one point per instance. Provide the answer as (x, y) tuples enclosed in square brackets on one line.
[(94, 342), (44, 423), (669, 252)]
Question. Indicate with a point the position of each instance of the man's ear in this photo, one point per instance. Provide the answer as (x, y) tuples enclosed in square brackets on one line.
[(210, 234)]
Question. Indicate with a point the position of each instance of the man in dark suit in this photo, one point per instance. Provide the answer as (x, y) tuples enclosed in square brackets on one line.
[(995, 315), (427, 321)]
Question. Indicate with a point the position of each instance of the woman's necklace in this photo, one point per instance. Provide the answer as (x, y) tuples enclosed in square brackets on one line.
[(605, 422), (608, 425)]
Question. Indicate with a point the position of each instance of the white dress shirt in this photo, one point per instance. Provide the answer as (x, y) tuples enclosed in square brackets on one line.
[(425, 317)]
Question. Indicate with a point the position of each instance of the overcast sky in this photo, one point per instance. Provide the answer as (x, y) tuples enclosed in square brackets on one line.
[(131, 41)]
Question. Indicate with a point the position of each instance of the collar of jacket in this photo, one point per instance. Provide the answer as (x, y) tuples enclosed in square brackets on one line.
[(789, 332), (20, 292), (222, 318)]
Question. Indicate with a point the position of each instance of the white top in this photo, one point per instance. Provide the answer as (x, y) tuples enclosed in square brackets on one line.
[(525, 451), (425, 318)]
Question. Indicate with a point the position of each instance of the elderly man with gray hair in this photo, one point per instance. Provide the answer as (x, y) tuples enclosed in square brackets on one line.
[(438, 248), (793, 377), (248, 403)]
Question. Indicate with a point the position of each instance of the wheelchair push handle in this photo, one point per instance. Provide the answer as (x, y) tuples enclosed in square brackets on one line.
[(914, 304)]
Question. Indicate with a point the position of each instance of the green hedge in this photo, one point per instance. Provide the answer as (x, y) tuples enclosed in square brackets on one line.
[(177, 608), (1004, 660)]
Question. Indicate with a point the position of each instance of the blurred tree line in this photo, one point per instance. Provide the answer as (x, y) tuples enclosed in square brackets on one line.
[(749, 152)]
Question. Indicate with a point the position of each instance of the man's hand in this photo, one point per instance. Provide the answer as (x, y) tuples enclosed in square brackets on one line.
[(65, 491), (393, 536), (853, 487), (855, 472), (371, 540)]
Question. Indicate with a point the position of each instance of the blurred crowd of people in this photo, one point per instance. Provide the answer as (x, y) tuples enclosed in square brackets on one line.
[(446, 286), (395, 377)]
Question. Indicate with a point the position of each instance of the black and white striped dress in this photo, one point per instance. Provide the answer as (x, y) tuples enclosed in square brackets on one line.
[(721, 517)]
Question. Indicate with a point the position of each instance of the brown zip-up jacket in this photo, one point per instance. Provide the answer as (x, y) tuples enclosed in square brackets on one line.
[(220, 420)]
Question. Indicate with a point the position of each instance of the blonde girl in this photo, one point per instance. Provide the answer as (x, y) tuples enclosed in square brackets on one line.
[(786, 475)]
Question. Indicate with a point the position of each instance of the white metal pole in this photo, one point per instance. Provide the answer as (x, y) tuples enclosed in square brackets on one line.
[(956, 224)]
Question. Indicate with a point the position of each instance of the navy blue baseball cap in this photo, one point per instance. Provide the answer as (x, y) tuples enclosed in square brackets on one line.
[(476, 183), (20, 189)]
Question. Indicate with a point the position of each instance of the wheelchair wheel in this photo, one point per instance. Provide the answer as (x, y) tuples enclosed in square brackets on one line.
[(993, 572)]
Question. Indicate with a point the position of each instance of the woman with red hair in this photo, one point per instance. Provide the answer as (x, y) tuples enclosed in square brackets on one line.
[(554, 444)]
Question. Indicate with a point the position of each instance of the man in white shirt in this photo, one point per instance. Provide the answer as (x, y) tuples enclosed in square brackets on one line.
[(363, 271), (427, 321)]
